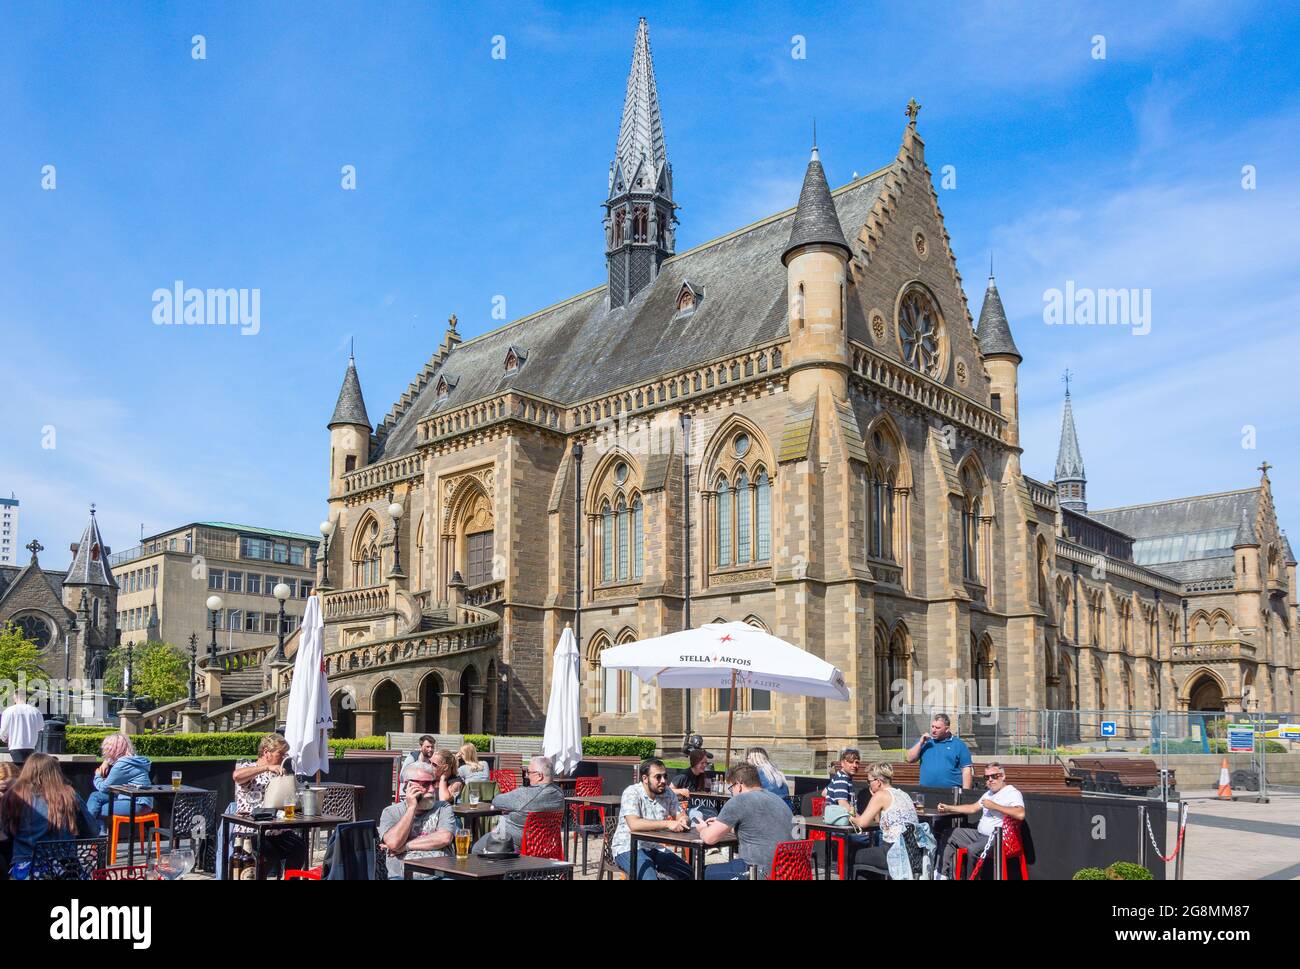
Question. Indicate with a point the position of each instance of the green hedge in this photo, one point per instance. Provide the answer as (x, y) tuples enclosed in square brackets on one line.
[(639, 747), (481, 741), (86, 740), (1119, 871)]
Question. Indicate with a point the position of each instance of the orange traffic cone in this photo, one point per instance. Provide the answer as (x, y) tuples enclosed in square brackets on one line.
[(1225, 784)]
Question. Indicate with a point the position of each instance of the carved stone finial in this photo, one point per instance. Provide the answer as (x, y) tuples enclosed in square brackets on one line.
[(913, 109)]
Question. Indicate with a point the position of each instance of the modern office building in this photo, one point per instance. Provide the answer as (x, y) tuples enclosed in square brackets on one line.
[(165, 582), (9, 530)]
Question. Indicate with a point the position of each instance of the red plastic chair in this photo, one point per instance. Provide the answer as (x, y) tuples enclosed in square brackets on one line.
[(542, 835), (506, 781), (792, 862), (299, 874), (819, 809), (132, 873), (586, 787), (1013, 847)]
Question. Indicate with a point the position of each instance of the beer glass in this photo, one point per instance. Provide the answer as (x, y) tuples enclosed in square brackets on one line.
[(176, 780), (462, 843)]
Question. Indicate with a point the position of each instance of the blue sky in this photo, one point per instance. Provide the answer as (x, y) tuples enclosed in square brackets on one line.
[(479, 177)]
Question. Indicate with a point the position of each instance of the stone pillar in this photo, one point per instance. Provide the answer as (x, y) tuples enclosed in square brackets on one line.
[(476, 694), (365, 722), (192, 720), (129, 720), (450, 713), (212, 683), (409, 710)]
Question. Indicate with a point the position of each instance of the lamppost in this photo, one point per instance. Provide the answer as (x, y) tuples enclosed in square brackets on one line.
[(281, 593), (395, 513), (194, 658), (577, 545), (130, 689), (686, 546), (215, 604), (327, 532)]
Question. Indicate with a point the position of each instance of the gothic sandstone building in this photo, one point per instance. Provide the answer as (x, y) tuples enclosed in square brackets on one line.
[(855, 487)]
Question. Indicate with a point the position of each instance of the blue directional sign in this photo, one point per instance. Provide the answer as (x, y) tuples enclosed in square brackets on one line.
[(1108, 728)]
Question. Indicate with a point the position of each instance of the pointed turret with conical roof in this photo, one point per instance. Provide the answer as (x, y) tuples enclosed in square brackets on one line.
[(90, 559), (639, 208), (815, 219), (349, 430), (994, 332), (351, 406), (1071, 481)]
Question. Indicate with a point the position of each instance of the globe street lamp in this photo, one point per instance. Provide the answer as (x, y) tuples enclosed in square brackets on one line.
[(281, 593), (327, 532), (215, 604), (395, 513)]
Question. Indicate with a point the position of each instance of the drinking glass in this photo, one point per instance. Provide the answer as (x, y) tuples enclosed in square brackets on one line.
[(176, 864), (462, 843), (473, 796), (176, 780), (919, 800)]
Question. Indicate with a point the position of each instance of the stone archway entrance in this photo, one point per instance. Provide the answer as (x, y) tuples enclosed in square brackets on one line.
[(430, 720), (1205, 694), (387, 704), (342, 709)]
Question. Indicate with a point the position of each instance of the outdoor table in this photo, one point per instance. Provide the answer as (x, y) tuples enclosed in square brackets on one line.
[(272, 824), (678, 839), (610, 802), (478, 868), (133, 792), (476, 813)]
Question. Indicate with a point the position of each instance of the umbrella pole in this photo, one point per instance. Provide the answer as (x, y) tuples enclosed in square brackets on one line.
[(731, 714)]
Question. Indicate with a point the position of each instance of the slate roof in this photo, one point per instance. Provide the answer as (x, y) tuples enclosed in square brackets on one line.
[(815, 218), (351, 406), (90, 560), (994, 332), (9, 575), (1186, 538), (580, 348)]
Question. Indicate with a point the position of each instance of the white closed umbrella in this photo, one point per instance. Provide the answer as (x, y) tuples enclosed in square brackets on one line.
[(308, 722), (728, 656), (562, 740)]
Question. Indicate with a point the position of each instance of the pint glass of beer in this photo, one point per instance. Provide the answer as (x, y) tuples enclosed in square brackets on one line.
[(462, 843), (176, 780)]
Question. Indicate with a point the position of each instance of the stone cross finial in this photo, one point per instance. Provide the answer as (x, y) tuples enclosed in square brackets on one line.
[(451, 323), (1263, 468), (34, 546), (913, 109), (1066, 378)]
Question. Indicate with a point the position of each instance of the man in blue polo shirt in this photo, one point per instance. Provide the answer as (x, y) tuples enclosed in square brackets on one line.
[(945, 759)]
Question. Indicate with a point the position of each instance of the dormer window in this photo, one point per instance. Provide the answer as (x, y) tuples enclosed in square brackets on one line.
[(515, 358), (445, 387), (689, 298)]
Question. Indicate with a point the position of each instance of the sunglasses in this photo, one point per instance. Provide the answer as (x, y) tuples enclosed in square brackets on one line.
[(993, 777)]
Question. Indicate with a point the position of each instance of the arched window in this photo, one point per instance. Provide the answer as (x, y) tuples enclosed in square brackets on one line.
[(616, 690), (607, 544), (740, 507), (1043, 566), (747, 700), (884, 690), (365, 554), (970, 525), (723, 530), (619, 528)]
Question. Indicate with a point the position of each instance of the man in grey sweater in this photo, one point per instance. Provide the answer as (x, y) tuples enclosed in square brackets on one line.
[(540, 795)]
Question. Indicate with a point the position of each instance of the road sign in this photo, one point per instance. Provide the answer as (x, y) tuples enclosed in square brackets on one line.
[(1108, 728), (1241, 738)]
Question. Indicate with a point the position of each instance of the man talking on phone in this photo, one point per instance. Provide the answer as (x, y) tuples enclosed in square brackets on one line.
[(945, 758)]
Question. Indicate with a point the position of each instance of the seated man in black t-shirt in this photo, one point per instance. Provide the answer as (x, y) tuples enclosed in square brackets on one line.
[(696, 778)]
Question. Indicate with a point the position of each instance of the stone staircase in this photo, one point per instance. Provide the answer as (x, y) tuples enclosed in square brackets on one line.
[(437, 619), (241, 684)]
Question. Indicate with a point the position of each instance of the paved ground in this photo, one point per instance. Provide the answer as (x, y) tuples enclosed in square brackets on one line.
[(1240, 839)]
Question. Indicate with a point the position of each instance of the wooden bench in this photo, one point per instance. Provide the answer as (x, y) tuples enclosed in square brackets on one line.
[(411, 741), (1118, 775), (524, 746), (1026, 778)]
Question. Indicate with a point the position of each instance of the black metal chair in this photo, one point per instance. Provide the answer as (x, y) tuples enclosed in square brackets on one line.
[(915, 857), (194, 818), (71, 860)]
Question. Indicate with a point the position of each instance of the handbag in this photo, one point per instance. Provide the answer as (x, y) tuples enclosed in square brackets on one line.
[(837, 815)]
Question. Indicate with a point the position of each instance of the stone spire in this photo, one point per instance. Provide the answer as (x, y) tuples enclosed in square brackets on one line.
[(1071, 481), (815, 220), (639, 209), (994, 332), (351, 406), (90, 559), (1245, 536)]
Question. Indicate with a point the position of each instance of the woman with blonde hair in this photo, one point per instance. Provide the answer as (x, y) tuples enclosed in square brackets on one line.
[(450, 784), (471, 768), (252, 777), (122, 765), (769, 775), (42, 806), (894, 810)]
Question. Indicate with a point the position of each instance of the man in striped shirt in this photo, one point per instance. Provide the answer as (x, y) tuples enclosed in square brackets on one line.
[(840, 789)]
